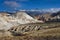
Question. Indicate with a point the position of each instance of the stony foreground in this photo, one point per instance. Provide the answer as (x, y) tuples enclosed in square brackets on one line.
[(48, 34), (36, 31)]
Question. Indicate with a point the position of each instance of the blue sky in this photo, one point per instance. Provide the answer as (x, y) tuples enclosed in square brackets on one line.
[(12, 5)]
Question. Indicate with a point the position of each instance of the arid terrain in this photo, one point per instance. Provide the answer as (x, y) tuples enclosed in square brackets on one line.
[(46, 33), (29, 19), (21, 26)]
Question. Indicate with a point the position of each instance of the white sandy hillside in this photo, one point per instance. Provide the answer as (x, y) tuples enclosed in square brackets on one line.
[(23, 18), (6, 21)]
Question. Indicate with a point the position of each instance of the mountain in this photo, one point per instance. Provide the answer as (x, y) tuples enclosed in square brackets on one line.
[(7, 20), (23, 17), (26, 18), (55, 14)]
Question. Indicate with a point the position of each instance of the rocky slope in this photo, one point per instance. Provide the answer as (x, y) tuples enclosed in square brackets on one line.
[(7, 20)]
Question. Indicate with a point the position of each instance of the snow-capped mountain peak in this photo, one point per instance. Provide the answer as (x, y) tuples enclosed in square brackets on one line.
[(52, 10)]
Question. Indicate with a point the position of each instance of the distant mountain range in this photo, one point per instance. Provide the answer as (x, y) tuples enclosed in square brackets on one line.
[(43, 11), (52, 10)]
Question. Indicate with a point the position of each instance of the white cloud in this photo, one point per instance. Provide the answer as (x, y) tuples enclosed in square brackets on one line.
[(12, 4)]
